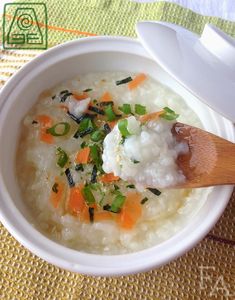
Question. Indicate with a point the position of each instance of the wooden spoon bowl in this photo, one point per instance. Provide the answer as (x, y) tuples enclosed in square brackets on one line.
[(210, 160)]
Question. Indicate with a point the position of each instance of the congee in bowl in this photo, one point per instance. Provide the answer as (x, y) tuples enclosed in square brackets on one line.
[(84, 155)]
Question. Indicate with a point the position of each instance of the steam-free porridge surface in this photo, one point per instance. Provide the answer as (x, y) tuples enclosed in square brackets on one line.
[(61, 177)]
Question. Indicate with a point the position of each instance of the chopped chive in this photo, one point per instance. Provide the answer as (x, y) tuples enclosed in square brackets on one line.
[(94, 174), (140, 109), (95, 155), (88, 195), (65, 96), (117, 203), (122, 126), (123, 81), (125, 108), (91, 214), (59, 129), (130, 186), (154, 191), (55, 187), (107, 128), (34, 122), (85, 124), (111, 116), (87, 90), (79, 167), (144, 200), (97, 135), (169, 114), (63, 157), (69, 178), (96, 110), (105, 103), (86, 132)]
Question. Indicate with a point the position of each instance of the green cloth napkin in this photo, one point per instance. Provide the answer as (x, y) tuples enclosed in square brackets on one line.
[(118, 17)]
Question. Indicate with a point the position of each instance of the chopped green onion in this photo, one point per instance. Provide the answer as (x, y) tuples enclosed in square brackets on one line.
[(130, 186), (97, 135), (85, 124), (96, 157), (88, 195), (117, 203), (125, 80), (122, 126), (87, 90), (59, 129), (83, 144), (111, 116), (125, 108), (144, 200), (63, 157), (91, 214), (140, 109), (154, 191), (86, 127), (169, 114), (55, 187), (79, 167)]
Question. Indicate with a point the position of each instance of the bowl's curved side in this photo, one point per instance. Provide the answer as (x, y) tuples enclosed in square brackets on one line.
[(92, 54)]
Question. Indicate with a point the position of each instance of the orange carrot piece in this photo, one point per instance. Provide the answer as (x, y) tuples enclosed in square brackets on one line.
[(131, 211), (112, 124), (46, 137), (106, 97), (103, 216), (136, 81), (109, 177), (83, 156), (44, 120), (56, 197), (151, 116), (76, 201), (80, 97), (85, 216)]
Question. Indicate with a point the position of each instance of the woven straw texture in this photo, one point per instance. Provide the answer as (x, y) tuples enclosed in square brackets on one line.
[(206, 272)]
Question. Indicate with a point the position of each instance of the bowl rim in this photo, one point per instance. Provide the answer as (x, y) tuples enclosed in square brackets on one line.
[(129, 263)]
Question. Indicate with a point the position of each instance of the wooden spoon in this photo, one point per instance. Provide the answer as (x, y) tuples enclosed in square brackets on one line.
[(210, 160)]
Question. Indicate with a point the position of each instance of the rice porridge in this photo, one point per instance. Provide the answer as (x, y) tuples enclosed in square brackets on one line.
[(81, 190)]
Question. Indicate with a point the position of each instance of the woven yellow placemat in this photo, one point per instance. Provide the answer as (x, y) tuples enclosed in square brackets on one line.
[(206, 272)]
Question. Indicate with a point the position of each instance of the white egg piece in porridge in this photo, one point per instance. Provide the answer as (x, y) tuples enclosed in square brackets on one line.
[(94, 170)]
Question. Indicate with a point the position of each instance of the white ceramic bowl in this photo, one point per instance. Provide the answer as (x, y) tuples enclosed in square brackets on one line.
[(19, 94)]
